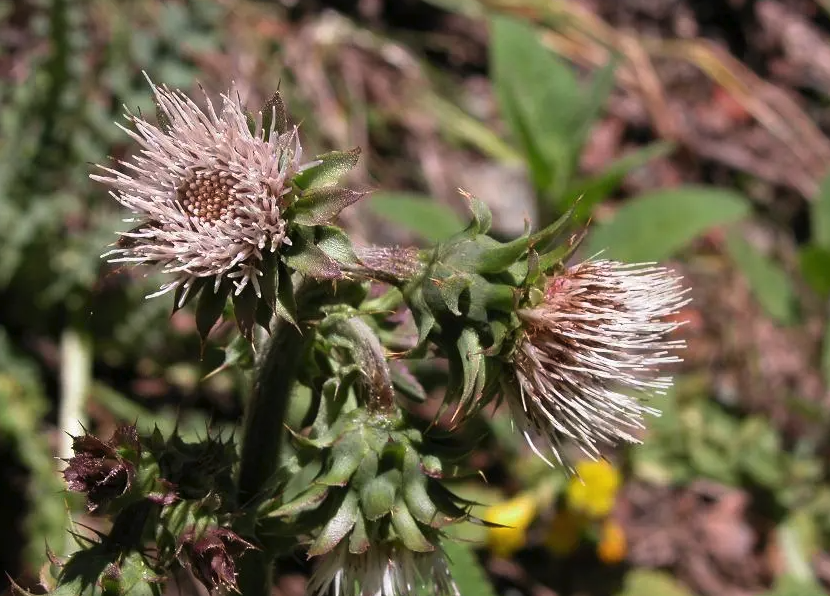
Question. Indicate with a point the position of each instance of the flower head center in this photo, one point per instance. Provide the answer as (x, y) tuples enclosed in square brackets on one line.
[(209, 195)]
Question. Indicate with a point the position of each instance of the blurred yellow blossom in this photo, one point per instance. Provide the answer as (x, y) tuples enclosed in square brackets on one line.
[(612, 543), (593, 490), (516, 513), (564, 532)]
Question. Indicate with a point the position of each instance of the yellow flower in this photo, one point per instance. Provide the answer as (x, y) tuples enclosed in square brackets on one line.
[(516, 513), (612, 545), (564, 532), (593, 490)]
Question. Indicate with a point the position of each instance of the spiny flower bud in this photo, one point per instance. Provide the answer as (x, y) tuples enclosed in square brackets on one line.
[(104, 471), (597, 334), (375, 510), (197, 469), (211, 555)]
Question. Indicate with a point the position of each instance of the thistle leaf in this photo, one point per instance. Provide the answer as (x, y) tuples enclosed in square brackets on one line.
[(210, 307), (184, 295), (245, 310), (405, 382), (332, 167), (310, 260), (335, 243), (322, 205), (286, 304)]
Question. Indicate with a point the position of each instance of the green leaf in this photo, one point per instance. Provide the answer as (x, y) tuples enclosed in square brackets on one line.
[(540, 99), (815, 267), (286, 306), (210, 306), (418, 214), (309, 259), (655, 226), (424, 319), (787, 585), (419, 503), (709, 460), (466, 570), (771, 286), (595, 98), (825, 356), (332, 167), (591, 191), (336, 244), (798, 540), (482, 216), (502, 256), (761, 457), (359, 541), (646, 582), (820, 215), (244, 310), (405, 382), (451, 289), (322, 205)]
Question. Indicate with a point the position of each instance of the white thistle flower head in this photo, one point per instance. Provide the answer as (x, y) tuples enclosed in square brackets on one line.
[(590, 354), (382, 570), (206, 191)]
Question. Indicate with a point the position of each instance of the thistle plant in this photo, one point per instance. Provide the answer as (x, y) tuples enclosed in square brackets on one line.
[(225, 205)]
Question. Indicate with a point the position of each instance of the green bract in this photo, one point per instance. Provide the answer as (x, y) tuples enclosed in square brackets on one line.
[(370, 483), (466, 295)]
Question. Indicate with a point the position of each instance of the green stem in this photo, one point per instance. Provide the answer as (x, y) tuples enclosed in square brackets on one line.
[(75, 382), (263, 437)]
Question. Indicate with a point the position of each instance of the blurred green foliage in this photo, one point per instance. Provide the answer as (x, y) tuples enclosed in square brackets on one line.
[(55, 121)]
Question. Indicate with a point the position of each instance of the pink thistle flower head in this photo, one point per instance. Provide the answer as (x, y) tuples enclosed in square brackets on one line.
[(207, 189), (589, 355)]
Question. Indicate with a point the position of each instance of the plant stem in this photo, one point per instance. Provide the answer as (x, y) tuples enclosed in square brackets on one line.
[(75, 379), (263, 436)]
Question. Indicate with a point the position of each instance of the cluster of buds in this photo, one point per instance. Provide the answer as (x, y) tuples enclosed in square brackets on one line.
[(178, 493), (227, 207), (376, 506)]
